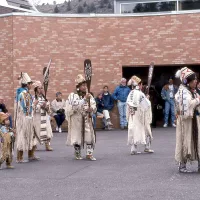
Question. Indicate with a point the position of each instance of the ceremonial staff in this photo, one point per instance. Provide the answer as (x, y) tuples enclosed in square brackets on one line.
[(88, 78), (88, 75), (46, 78), (150, 75)]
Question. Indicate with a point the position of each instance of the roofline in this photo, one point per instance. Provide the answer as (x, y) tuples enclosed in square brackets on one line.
[(94, 15), (18, 8)]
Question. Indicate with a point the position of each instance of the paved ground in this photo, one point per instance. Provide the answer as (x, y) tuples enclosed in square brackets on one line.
[(116, 175)]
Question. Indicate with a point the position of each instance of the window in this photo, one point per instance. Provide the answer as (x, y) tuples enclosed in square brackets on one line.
[(148, 7), (189, 4)]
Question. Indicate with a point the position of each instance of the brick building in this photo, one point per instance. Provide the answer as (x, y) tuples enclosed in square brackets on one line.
[(117, 45)]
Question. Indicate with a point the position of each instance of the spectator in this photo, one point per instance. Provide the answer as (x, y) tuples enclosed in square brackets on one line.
[(102, 111), (120, 95), (168, 92), (4, 110), (107, 99), (198, 88), (58, 108)]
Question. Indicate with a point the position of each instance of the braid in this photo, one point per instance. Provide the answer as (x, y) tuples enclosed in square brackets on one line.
[(44, 97), (35, 90)]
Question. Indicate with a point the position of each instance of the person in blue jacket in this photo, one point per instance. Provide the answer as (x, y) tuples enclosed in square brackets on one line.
[(168, 93), (120, 95)]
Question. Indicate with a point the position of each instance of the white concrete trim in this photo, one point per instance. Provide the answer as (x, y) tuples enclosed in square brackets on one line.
[(94, 15), (6, 15)]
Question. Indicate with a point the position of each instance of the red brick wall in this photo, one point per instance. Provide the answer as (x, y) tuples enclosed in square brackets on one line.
[(109, 42), (6, 64)]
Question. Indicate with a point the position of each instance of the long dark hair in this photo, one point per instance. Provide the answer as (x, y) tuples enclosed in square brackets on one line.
[(36, 96), (23, 85)]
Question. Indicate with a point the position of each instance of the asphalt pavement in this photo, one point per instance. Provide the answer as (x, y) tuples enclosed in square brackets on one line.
[(116, 175)]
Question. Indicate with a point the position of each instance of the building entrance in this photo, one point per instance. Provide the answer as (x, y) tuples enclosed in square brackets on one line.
[(160, 77)]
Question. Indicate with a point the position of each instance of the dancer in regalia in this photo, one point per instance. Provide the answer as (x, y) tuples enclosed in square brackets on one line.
[(24, 120), (41, 118), (80, 107), (139, 117), (188, 120), (7, 138)]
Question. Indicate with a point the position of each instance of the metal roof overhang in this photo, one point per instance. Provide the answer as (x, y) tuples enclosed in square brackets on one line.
[(5, 4), (18, 8)]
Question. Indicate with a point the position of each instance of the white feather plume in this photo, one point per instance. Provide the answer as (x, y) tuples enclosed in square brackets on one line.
[(135, 83), (178, 74), (129, 82)]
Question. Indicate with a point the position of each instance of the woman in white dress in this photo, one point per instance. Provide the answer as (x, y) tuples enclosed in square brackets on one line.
[(139, 117), (41, 116)]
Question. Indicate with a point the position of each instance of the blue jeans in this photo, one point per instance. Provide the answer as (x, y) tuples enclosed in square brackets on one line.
[(169, 107), (94, 117), (59, 119), (122, 113)]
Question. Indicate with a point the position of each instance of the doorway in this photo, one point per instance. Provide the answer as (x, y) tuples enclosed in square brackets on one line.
[(160, 76)]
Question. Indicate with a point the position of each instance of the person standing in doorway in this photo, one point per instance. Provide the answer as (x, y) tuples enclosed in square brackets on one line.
[(168, 92), (120, 95)]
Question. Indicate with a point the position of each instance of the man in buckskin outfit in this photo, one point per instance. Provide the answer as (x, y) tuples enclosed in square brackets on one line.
[(80, 107)]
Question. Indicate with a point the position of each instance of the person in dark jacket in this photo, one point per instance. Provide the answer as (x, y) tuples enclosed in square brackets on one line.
[(4, 110), (120, 95), (101, 110), (107, 99)]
